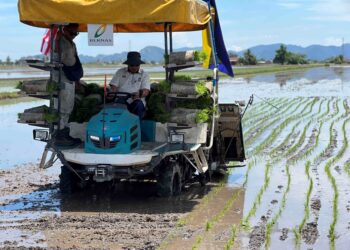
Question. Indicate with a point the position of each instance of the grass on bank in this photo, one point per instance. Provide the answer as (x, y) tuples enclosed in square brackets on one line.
[(10, 95)]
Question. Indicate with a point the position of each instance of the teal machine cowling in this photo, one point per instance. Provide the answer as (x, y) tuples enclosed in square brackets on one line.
[(113, 131)]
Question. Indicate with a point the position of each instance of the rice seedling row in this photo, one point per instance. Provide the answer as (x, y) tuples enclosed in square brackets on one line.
[(260, 121), (261, 130)]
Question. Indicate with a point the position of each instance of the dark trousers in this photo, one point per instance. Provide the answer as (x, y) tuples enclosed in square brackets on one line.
[(137, 108)]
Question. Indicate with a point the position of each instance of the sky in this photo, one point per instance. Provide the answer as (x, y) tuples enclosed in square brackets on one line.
[(244, 24)]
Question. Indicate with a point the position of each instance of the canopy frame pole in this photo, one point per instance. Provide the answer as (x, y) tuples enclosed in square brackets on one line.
[(171, 37), (166, 52), (52, 26), (215, 78), (171, 72), (60, 84)]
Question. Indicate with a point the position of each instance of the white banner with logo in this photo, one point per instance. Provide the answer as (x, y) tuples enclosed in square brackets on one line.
[(100, 34)]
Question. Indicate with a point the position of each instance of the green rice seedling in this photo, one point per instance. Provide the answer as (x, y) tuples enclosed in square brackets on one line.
[(199, 240), (323, 115), (300, 141), (51, 117), (276, 132), (201, 89), (255, 112), (331, 231), (257, 200), (52, 87), (260, 122), (285, 141), (345, 141), (250, 166), (19, 85), (283, 112), (310, 150), (270, 225), (331, 178), (298, 230), (182, 78), (232, 239), (211, 223), (203, 116), (308, 108), (346, 107), (200, 56)]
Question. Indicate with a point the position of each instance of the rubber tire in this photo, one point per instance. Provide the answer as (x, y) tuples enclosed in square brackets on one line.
[(68, 181), (169, 180)]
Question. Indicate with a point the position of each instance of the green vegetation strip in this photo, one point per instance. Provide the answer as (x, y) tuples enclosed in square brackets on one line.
[(9, 95), (273, 221), (297, 231), (247, 71)]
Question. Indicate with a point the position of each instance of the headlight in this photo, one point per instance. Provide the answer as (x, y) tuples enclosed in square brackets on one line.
[(115, 138), (94, 138)]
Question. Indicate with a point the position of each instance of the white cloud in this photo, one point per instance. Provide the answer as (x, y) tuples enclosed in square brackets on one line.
[(336, 41), (336, 10), (184, 39), (235, 48), (289, 5)]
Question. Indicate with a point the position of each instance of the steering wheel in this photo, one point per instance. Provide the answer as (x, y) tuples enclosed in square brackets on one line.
[(118, 97)]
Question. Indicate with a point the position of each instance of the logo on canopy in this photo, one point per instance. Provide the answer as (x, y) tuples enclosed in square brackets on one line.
[(100, 34)]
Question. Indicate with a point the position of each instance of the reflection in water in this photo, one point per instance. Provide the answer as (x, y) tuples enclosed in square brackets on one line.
[(331, 81), (35, 73)]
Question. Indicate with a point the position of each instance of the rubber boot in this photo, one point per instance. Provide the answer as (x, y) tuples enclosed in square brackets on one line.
[(63, 139)]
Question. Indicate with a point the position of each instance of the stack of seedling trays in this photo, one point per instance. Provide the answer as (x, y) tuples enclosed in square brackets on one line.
[(41, 116), (42, 88), (183, 59)]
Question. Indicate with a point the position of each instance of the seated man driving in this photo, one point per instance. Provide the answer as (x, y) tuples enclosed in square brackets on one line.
[(132, 80)]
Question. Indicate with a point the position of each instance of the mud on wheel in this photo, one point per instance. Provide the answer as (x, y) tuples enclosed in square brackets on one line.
[(169, 179)]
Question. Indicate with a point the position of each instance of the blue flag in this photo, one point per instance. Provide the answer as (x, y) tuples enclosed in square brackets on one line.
[(224, 61)]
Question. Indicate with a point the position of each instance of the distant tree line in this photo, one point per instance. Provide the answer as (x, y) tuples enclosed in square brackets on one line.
[(283, 56)]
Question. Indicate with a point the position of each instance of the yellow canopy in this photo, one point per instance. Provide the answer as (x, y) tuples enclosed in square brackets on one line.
[(126, 15)]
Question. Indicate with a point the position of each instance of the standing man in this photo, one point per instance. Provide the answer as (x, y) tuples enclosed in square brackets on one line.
[(72, 72), (133, 80)]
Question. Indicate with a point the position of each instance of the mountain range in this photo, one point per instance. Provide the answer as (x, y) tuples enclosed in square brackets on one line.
[(313, 52), (153, 54)]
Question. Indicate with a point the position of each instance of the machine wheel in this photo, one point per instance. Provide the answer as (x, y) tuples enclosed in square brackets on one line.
[(68, 181), (169, 180)]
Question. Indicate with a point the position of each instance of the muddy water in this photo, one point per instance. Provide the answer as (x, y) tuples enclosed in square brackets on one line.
[(129, 216), (16, 144)]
